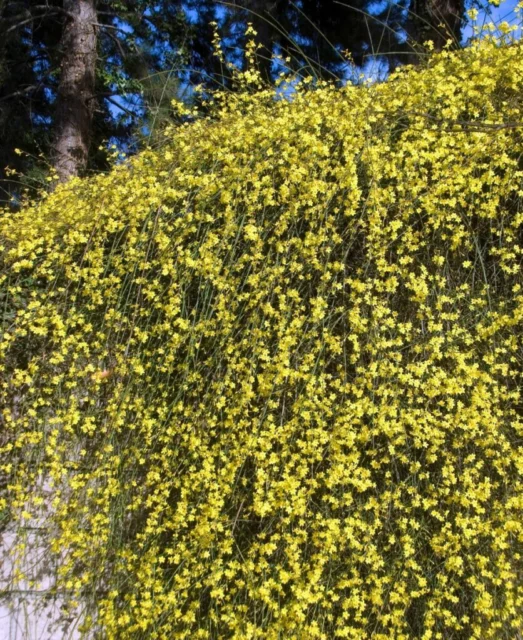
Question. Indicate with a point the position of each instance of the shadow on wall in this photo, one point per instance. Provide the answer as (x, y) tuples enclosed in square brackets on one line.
[(28, 608)]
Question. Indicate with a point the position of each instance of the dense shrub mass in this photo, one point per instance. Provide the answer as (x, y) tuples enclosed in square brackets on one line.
[(265, 382)]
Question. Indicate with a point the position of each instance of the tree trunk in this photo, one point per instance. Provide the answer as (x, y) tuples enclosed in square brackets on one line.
[(75, 97)]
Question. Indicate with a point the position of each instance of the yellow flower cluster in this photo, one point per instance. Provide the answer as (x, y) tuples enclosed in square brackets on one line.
[(265, 381)]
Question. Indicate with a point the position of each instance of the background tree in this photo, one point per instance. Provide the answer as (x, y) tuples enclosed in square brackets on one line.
[(314, 33), (74, 75), (76, 88), (28, 38), (63, 95), (435, 20)]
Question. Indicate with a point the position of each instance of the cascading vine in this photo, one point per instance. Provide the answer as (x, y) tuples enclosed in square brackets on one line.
[(271, 371)]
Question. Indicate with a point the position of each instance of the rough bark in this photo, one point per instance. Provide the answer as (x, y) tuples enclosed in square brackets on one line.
[(75, 96)]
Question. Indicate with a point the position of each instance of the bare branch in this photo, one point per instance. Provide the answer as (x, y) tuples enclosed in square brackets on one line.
[(30, 17), (21, 92)]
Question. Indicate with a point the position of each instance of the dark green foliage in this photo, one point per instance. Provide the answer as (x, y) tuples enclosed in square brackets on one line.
[(151, 51)]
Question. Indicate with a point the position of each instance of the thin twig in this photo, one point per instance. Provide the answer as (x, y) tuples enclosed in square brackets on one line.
[(469, 123)]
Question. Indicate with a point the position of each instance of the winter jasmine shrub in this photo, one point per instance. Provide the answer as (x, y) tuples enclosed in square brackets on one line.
[(265, 381)]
